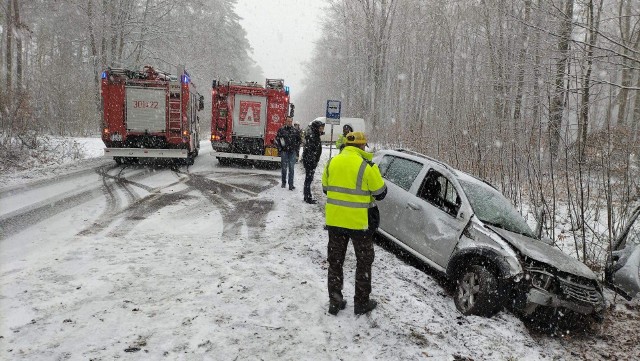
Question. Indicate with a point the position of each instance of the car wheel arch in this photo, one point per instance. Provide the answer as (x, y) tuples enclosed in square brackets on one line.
[(488, 258)]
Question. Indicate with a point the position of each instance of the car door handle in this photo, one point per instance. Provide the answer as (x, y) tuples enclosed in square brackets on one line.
[(413, 206)]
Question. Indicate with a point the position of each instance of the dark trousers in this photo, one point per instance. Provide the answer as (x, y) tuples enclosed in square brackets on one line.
[(308, 179), (337, 249)]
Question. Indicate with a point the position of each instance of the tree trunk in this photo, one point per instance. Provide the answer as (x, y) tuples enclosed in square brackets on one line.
[(19, 50), (9, 49), (521, 63), (103, 38), (556, 108), (590, 38), (623, 96)]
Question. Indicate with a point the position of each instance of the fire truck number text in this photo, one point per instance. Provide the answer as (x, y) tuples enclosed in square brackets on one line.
[(145, 104)]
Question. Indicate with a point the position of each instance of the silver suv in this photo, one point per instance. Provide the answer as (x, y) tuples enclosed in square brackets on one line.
[(466, 229)]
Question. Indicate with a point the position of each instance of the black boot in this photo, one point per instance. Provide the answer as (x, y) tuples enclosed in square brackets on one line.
[(334, 308), (310, 201), (367, 307)]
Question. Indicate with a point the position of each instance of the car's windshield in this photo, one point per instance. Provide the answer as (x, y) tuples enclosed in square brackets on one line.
[(491, 207)]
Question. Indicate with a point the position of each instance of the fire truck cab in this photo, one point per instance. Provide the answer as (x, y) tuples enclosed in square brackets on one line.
[(150, 114), (246, 117)]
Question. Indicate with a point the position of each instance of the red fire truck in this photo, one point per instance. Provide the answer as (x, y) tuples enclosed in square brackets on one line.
[(246, 117), (150, 114)]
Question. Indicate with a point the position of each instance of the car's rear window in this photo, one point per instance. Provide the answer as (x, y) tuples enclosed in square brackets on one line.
[(399, 171)]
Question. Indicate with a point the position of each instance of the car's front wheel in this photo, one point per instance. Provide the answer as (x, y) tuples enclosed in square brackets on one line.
[(477, 292)]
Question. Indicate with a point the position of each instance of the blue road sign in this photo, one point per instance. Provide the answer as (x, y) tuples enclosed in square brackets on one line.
[(333, 109)]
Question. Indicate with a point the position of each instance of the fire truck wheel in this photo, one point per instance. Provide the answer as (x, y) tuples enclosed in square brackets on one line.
[(118, 160)]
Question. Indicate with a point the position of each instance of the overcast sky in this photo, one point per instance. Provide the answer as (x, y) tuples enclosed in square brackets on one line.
[(282, 33)]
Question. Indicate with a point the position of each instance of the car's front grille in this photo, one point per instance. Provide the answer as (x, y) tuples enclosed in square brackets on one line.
[(580, 292)]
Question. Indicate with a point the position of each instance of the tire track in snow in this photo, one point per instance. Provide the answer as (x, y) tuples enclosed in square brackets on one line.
[(237, 211), (113, 202), (140, 209), (134, 202)]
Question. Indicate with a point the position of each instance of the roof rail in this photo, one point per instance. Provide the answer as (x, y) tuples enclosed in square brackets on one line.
[(426, 157), (448, 167)]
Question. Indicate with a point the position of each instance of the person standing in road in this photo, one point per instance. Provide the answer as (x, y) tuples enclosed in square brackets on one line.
[(352, 183), (342, 138), (288, 142), (311, 156)]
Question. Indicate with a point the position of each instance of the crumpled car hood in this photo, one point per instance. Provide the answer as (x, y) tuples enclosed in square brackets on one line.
[(543, 252)]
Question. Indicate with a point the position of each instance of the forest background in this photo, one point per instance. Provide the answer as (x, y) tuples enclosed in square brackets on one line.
[(538, 97)]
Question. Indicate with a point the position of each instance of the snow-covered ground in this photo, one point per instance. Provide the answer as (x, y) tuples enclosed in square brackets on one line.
[(174, 288)]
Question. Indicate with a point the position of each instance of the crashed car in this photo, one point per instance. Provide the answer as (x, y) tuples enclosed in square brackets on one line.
[(622, 273), (466, 229)]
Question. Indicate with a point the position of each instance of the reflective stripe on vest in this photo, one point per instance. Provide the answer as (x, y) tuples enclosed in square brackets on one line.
[(350, 204), (358, 191)]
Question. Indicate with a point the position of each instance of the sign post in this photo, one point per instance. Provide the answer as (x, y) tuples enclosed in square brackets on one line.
[(332, 117)]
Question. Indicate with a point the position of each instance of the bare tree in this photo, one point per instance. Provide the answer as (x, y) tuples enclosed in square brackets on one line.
[(556, 108)]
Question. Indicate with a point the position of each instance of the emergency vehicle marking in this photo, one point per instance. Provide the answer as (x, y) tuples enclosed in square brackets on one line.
[(250, 112)]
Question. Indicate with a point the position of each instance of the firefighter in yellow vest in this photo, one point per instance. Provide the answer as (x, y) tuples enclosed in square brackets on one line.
[(352, 183), (342, 138)]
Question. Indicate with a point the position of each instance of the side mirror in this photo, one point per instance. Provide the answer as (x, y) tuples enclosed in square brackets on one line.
[(201, 102), (291, 110)]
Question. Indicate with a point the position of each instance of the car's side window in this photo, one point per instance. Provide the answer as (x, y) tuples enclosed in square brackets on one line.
[(439, 191), (402, 172), (384, 164)]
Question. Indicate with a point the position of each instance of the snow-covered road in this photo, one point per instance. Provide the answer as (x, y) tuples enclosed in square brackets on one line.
[(221, 263)]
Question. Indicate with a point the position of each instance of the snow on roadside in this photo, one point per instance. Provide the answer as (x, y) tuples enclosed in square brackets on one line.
[(74, 153), (259, 295)]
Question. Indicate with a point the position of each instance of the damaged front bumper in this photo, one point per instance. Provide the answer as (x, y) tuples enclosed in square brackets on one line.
[(537, 297)]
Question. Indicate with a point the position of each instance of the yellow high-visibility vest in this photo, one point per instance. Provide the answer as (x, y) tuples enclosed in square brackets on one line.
[(351, 181)]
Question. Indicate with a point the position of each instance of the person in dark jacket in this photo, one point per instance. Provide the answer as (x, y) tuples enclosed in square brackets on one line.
[(311, 156), (288, 143)]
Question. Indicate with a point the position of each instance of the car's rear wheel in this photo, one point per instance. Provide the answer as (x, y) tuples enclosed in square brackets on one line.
[(477, 292)]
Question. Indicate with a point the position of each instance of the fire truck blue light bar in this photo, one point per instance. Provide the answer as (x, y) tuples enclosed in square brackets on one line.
[(104, 75)]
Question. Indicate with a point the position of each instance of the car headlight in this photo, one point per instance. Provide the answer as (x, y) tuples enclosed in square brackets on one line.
[(541, 280)]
